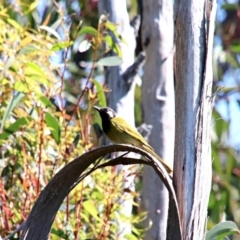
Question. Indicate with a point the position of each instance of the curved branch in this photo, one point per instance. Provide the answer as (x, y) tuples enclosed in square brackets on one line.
[(41, 217)]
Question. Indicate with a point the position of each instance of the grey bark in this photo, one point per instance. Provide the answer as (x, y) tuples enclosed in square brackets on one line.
[(158, 107), (193, 167), (121, 97)]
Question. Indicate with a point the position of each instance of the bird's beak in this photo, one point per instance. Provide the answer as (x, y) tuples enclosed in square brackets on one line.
[(97, 108)]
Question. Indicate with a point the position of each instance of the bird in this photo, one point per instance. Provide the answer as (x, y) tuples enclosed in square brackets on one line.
[(121, 132)]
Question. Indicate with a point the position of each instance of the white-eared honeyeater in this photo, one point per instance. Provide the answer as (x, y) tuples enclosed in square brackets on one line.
[(119, 131)]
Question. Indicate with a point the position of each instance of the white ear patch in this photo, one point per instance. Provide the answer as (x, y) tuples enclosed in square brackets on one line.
[(110, 113)]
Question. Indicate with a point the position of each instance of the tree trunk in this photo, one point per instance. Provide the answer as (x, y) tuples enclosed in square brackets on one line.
[(193, 164), (158, 107), (121, 97)]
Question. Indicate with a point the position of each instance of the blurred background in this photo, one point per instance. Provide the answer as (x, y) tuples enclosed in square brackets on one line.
[(51, 76)]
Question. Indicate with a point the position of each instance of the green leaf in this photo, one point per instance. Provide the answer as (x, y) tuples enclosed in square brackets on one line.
[(53, 124), (98, 195), (72, 67), (230, 58), (229, 6), (91, 208), (110, 61), (100, 93), (222, 230), (14, 127), (235, 48), (14, 24), (56, 24), (28, 49), (216, 160), (15, 101), (113, 45), (109, 40), (61, 45), (221, 125), (35, 74), (34, 69), (59, 233), (46, 102), (31, 7), (130, 236), (51, 31), (111, 26), (7, 171), (88, 30), (20, 86), (8, 64), (117, 50), (229, 164)]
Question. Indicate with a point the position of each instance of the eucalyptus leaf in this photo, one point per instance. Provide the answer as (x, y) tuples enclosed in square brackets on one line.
[(90, 208), (51, 31), (100, 93), (53, 124), (221, 230), (110, 61), (88, 30), (16, 126), (14, 102)]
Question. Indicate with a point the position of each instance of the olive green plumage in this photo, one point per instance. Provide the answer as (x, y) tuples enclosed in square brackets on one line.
[(119, 131)]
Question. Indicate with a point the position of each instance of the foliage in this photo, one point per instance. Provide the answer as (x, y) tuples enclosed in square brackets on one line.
[(46, 113), (94, 208), (224, 201), (46, 95), (221, 230)]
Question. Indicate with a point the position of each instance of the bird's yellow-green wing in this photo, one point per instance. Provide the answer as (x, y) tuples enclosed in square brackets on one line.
[(122, 126), (122, 132)]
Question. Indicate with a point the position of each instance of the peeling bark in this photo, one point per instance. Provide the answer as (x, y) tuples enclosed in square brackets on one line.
[(193, 164)]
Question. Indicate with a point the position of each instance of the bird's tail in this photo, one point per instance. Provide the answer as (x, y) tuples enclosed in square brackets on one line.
[(167, 167)]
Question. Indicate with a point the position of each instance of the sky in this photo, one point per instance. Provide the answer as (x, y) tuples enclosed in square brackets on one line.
[(229, 107)]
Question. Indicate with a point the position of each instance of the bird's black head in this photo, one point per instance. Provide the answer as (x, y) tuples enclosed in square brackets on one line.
[(106, 115)]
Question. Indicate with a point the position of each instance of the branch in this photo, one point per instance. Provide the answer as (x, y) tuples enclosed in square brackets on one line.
[(15, 231), (135, 23), (41, 217), (132, 71)]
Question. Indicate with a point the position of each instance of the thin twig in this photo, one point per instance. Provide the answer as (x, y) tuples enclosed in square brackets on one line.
[(15, 231)]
